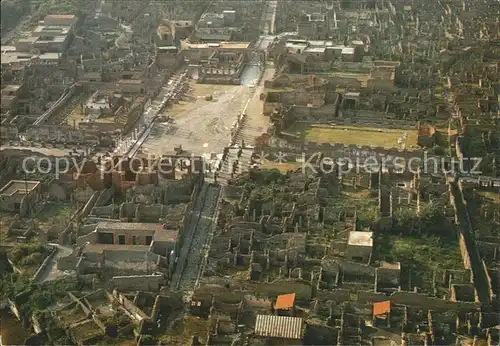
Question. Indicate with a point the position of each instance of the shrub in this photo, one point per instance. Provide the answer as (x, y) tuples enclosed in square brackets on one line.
[(27, 254)]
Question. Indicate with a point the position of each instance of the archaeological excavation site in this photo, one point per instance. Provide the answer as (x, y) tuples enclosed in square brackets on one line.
[(243, 173)]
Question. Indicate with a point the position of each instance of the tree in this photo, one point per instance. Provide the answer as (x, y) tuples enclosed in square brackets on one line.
[(434, 222), (404, 220)]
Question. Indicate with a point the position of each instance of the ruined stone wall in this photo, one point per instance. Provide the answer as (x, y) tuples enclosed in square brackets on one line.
[(302, 290), (137, 283), (464, 251), (54, 133), (105, 197), (88, 206), (356, 269), (428, 303), (387, 275), (9, 132), (44, 266), (99, 127), (91, 238), (67, 263), (117, 256), (231, 79), (150, 212), (107, 211), (134, 113), (187, 213), (296, 149), (86, 229), (58, 105), (127, 211), (176, 192), (335, 295), (323, 114), (82, 195), (133, 309)]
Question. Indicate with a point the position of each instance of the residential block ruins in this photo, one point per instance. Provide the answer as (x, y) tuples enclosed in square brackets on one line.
[(250, 173)]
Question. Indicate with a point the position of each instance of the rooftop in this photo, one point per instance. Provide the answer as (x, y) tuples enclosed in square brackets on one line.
[(222, 45), (360, 238), (8, 48), (7, 100), (348, 50), (15, 57), (381, 308), (166, 235), (285, 301), (296, 45), (18, 187), (315, 50), (11, 88), (49, 56), (316, 17), (29, 39), (129, 226), (388, 265), (130, 81), (279, 327), (63, 30), (320, 43), (60, 16)]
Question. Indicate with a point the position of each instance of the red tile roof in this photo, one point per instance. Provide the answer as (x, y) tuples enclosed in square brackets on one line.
[(285, 301), (381, 308)]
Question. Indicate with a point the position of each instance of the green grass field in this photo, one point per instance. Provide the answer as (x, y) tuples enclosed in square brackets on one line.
[(363, 136)]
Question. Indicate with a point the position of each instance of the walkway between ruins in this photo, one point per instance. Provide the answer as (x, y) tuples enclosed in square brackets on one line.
[(466, 229), (195, 238), (255, 123), (51, 272)]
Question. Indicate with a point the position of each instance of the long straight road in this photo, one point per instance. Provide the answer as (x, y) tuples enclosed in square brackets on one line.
[(255, 122), (195, 238), (481, 281)]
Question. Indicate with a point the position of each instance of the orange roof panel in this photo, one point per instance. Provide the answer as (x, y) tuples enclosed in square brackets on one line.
[(285, 301), (381, 308)]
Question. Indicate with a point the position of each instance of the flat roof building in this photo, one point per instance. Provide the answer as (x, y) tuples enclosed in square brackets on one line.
[(20, 196), (60, 19), (360, 246)]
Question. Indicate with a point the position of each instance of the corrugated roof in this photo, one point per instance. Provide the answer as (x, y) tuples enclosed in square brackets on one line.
[(279, 327), (285, 301)]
